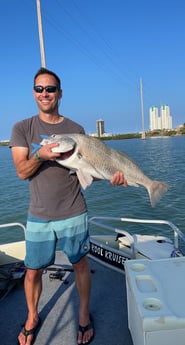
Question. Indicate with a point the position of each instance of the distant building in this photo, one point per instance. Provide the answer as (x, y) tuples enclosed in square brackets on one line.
[(166, 118), (154, 118), (164, 121), (100, 128)]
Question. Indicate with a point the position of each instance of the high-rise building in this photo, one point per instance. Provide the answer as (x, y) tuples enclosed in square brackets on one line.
[(100, 127), (153, 118), (164, 121)]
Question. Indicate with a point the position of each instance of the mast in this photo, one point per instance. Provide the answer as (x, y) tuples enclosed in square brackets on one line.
[(41, 40), (142, 109)]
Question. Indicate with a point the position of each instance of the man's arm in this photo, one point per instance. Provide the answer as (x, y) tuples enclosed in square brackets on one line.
[(26, 167)]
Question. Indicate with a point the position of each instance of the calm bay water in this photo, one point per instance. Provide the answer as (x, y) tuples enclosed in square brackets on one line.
[(160, 158)]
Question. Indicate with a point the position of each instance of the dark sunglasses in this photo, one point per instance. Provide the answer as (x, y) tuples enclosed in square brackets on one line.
[(49, 88)]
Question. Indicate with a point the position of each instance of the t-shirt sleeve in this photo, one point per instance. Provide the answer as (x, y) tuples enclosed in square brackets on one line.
[(18, 137)]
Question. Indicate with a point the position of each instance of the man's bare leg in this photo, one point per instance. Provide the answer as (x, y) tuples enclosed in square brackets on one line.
[(33, 289), (83, 284)]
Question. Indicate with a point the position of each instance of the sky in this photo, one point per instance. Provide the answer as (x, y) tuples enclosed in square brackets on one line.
[(100, 49)]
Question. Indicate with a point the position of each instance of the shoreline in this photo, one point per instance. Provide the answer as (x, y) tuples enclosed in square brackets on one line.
[(156, 134)]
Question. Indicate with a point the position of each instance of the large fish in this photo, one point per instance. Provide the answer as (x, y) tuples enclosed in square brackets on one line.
[(89, 157)]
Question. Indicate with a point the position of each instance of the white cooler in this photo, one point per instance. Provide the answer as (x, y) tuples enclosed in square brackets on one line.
[(156, 301)]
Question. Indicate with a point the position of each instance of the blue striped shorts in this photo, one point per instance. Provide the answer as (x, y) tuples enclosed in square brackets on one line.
[(42, 237)]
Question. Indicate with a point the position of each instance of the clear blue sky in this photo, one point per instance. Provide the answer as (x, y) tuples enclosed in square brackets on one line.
[(100, 49)]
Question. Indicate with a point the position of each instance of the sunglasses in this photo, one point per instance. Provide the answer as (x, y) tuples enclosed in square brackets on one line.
[(49, 88)]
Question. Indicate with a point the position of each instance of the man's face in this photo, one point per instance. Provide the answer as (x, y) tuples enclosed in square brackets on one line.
[(47, 101)]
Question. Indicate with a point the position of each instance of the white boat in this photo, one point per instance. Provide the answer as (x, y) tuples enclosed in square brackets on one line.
[(58, 306), (118, 245), (114, 247), (15, 251)]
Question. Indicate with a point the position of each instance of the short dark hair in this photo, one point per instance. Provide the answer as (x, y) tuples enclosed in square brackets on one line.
[(44, 70)]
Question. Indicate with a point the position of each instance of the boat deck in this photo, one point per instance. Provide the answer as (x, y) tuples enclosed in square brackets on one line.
[(58, 308)]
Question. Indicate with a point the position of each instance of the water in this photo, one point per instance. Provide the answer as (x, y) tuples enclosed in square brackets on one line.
[(159, 158)]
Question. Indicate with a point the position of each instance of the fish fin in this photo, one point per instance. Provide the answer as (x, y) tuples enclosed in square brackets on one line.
[(156, 190), (84, 178)]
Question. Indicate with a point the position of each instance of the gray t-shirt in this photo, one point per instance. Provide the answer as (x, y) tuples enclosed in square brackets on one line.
[(54, 193)]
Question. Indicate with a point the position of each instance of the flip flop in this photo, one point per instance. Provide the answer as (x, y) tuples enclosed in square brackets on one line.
[(32, 331), (85, 329)]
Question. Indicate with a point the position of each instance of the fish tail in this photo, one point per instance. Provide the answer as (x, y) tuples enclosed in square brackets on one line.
[(156, 190)]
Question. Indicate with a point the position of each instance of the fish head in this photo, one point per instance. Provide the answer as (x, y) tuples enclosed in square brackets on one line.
[(71, 156), (66, 145)]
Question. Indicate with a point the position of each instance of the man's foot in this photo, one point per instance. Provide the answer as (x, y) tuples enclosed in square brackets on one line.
[(27, 336), (86, 334)]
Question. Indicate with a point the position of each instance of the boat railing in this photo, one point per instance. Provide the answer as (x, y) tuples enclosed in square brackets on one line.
[(177, 233), (7, 225)]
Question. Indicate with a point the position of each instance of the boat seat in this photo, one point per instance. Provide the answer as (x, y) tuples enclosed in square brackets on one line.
[(152, 247), (10, 253)]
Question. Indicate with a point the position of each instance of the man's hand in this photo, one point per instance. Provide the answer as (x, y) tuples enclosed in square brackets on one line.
[(118, 179), (46, 153)]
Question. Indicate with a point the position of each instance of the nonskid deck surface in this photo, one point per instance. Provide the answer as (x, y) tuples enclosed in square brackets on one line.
[(58, 309)]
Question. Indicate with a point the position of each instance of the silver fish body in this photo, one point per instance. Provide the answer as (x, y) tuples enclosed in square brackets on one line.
[(91, 158)]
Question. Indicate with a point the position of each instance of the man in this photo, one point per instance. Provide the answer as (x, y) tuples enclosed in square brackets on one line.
[(56, 202)]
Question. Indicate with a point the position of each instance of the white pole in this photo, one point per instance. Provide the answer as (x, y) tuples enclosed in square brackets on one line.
[(43, 61), (142, 110)]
